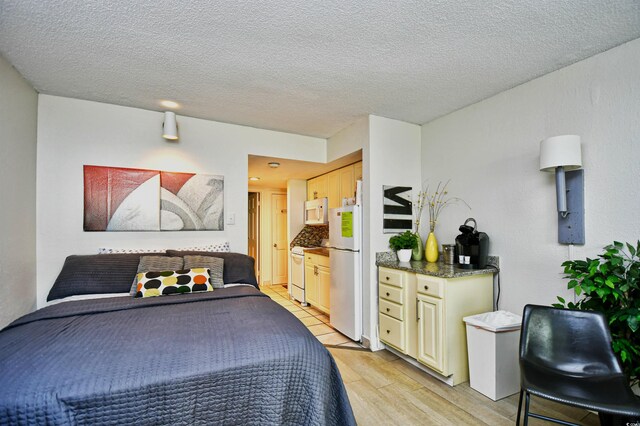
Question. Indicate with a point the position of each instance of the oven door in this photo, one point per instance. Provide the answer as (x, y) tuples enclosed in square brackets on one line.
[(296, 289)]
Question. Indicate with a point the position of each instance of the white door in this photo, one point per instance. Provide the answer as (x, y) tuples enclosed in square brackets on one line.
[(280, 250), (254, 229)]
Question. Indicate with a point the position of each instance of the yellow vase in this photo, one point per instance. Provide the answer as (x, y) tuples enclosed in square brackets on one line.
[(431, 248)]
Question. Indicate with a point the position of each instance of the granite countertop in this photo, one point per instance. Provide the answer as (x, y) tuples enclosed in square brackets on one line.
[(320, 250), (439, 269)]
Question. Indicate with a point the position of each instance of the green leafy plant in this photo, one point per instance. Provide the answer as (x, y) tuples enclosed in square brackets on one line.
[(406, 240), (611, 285)]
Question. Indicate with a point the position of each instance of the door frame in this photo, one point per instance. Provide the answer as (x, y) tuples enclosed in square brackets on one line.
[(258, 226)]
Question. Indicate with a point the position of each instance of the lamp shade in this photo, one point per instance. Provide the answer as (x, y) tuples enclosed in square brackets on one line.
[(560, 151), (170, 127)]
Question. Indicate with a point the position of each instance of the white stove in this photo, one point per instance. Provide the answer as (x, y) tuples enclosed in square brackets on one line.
[(296, 285)]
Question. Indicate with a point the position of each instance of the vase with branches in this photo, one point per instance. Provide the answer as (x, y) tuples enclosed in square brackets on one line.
[(418, 206), (436, 201)]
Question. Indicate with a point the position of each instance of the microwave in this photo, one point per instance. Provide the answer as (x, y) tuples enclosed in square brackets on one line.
[(316, 212)]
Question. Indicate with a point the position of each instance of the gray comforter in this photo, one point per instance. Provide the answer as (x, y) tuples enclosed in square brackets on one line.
[(232, 356)]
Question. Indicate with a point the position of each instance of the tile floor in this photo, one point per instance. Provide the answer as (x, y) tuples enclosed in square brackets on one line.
[(316, 321)]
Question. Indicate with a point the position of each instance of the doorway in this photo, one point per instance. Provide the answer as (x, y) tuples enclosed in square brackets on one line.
[(280, 250), (254, 230)]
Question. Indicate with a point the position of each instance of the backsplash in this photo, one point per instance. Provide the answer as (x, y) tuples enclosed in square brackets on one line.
[(311, 236)]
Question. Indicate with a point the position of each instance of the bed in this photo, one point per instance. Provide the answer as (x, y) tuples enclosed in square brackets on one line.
[(229, 356)]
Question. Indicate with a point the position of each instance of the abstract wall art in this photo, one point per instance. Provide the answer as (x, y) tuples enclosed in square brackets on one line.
[(397, 209), (122, 199)]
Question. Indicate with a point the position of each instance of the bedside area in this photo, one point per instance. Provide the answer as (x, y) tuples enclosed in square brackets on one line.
[(420, 311)]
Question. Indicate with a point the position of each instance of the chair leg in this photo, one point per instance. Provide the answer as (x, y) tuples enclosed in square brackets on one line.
[(519, 408), (526, 408)]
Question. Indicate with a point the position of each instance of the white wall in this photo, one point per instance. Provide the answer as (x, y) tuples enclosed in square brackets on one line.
[(348, 140), (73, 132), (392, 158), (18, 115), (490, 150)]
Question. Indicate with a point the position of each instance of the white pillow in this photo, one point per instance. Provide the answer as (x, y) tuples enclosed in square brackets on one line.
[(218, 247)]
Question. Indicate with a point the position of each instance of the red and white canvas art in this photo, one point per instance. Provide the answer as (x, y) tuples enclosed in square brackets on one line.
[(122, 199), (191, 202)]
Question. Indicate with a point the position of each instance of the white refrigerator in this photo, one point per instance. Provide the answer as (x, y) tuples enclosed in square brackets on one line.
[(345, 242)]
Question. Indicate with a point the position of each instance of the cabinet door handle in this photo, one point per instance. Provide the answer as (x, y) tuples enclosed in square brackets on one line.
[(275, 245), (426, 287), (387, 294), (387, 278), (388, 309), (388, 331)]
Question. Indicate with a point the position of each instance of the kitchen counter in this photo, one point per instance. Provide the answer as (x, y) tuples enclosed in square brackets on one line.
[(438, 269), (322, 251)]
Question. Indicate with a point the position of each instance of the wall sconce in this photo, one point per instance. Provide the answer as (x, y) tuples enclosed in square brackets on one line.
[(170, 126), (563, 155)]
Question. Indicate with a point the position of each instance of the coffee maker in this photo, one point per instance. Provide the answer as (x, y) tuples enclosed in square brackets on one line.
[(472, 247)]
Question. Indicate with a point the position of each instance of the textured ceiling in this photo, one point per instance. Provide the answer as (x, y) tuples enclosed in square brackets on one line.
[(302, 66)]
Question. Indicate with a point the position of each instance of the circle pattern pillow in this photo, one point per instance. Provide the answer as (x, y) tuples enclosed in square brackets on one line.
[(173, 282)]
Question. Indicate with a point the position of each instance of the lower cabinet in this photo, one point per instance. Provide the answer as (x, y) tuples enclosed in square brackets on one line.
[(317, 281), (430, 344), (421, 317)]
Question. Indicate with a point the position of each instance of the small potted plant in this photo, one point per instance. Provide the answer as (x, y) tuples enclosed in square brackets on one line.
[(403, 244)]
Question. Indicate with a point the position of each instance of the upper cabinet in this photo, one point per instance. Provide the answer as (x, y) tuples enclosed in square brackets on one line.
[(317, 187), (335, 185)]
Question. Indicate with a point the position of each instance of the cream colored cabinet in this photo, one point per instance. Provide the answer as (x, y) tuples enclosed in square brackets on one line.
[(347, 183), (335, 185), (317, 187), (324, 289), (397, 310), (333, 189), (357, 171), (430, 333), (421, 316), (442, 303), (317, 281), (310, 283)]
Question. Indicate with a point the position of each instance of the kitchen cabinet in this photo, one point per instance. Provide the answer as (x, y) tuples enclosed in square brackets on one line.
[(317, 281), (357, 171), (421, 316), (335, 185), (317, 187), (397, 310), (333, 189), (347, 183)]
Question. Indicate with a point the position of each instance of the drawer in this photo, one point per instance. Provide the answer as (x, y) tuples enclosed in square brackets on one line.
[(392, 332), (394, 294), (430, 286), (322, 260), (392, 309), (391, 277)]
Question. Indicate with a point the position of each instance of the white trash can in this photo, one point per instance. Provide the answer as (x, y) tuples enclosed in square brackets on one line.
[(492, 341)]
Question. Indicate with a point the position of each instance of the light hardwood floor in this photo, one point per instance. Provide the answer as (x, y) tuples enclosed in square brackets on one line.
[(386, 390)]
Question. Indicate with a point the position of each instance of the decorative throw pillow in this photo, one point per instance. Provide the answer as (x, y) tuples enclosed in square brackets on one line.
[(215, 265), (173, 282), (154, 264), (238, 268)]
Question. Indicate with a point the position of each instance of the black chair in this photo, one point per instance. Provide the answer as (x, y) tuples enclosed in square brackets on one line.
[(566, 356)]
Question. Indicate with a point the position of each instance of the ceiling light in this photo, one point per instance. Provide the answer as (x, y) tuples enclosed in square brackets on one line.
[(170, 126), (254, 178), (274, 164), (169, 104)]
